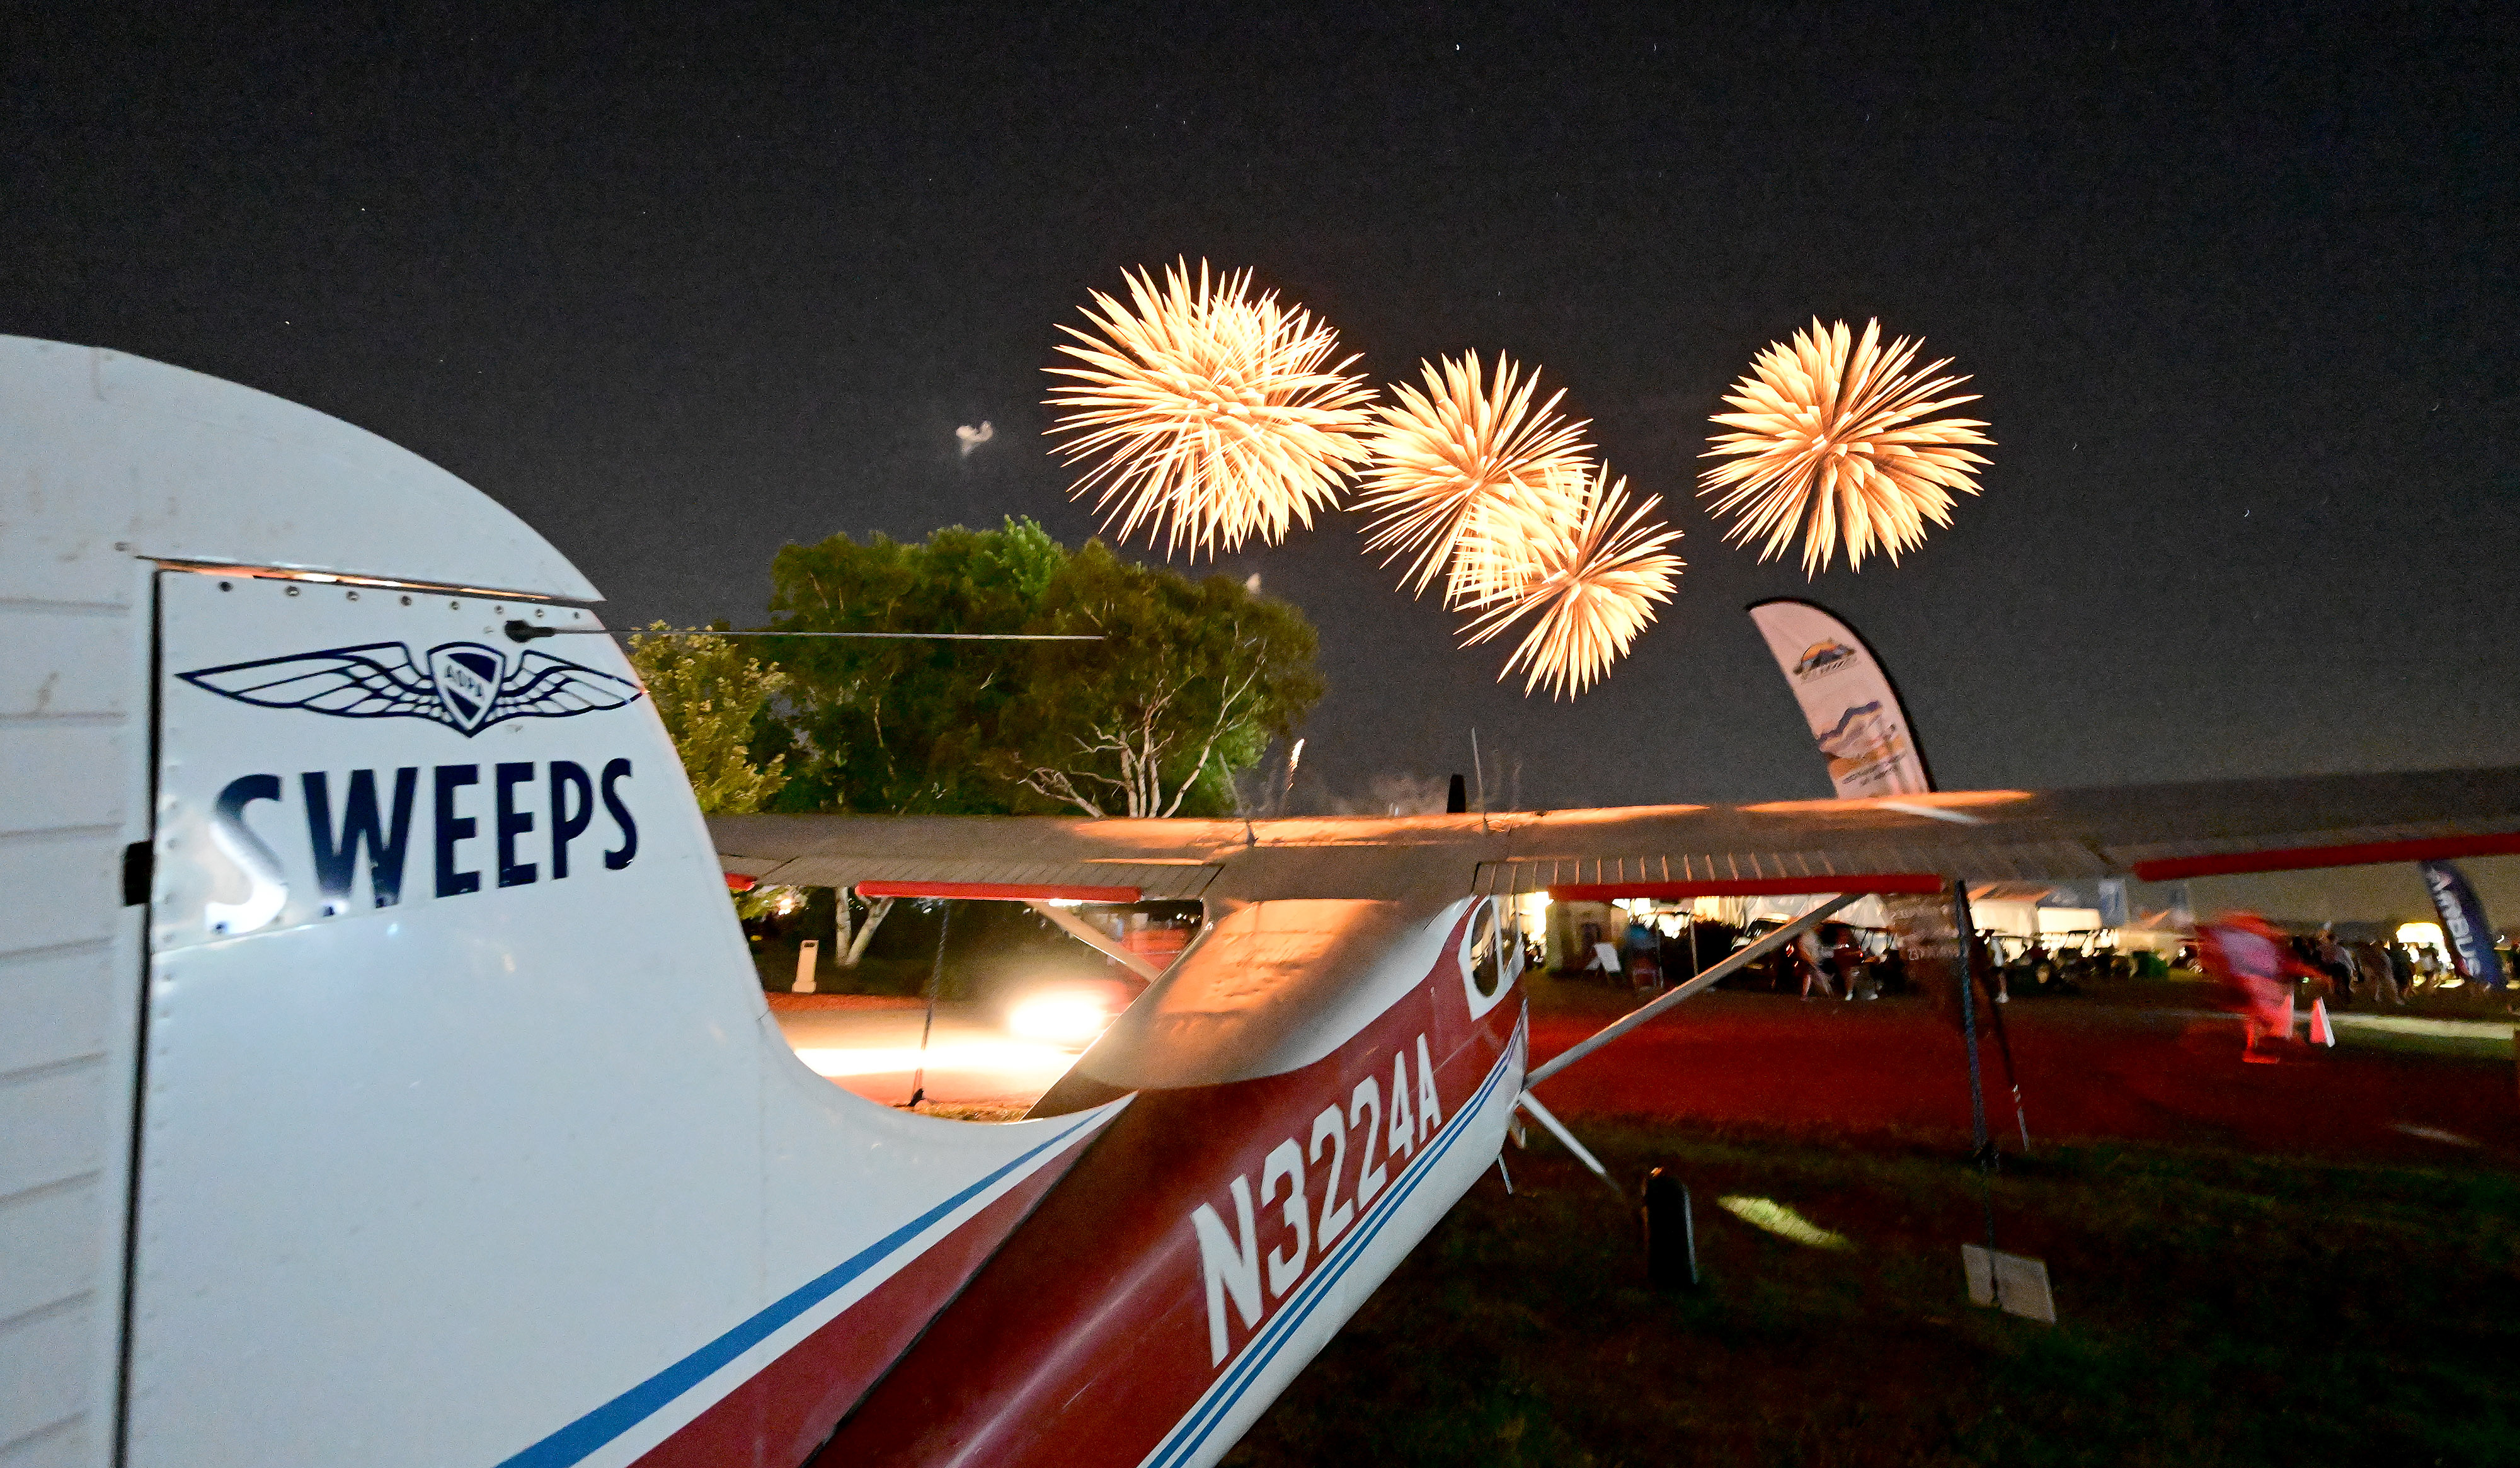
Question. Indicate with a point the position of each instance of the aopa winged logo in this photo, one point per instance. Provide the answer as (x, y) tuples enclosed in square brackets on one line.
[(467, 685)]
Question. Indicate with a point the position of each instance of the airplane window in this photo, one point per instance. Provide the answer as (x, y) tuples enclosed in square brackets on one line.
[(1486, 953), (1491, 955)]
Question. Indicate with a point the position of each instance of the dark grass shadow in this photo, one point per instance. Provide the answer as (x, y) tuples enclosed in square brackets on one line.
[(2215, 1308)]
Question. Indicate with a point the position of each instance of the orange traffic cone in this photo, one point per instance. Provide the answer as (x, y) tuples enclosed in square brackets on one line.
[(2321, 1030)]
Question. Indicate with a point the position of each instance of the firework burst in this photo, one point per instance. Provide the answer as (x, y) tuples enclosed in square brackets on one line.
[(1463, 465), (1215, 415), (1589, 576), (1832, 437), (1503, 544)]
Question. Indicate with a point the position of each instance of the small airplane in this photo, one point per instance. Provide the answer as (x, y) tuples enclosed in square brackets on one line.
[(383, 1078)]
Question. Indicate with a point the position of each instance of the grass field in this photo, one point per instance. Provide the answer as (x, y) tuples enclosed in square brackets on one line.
[(2404, 1035), (2213, 1309)]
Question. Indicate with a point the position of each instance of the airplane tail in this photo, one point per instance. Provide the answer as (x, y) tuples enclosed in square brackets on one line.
[(453, 1080)]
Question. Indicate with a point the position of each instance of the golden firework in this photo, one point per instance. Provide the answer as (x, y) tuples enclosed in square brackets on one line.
[(1469, 458), (1216, 415), (1839, 432), (1590, 575), (1492, 556)]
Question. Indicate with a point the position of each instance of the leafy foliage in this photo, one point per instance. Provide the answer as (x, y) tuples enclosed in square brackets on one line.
[(904, 724), (708, 692), (1189, 682)]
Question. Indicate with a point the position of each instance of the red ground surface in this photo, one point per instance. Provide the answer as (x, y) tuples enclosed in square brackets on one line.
[(2089, 1071)]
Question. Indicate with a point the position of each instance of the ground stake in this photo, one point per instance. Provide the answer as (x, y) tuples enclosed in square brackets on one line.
[(1671, 1234)]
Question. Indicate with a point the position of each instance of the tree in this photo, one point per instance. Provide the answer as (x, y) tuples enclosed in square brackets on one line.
[(1190, 680), (1190, 683), (708, 692), (904, 725)]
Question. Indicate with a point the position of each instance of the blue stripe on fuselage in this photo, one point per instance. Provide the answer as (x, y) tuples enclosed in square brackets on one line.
[(1192, 1430), (575, 1441)]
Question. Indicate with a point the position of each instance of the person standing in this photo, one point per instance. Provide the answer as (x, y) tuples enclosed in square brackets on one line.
[(1851, 975), (1807, 953), (2400, 969), (1644, 964), (2333, 961), (2256, 968), (2379, 974)]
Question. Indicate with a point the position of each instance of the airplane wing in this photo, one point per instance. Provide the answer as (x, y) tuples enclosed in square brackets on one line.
[(1154, 860), (2158, 832)]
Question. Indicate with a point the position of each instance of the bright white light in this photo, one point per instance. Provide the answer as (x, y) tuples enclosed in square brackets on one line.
[(983, 1055), (2420, 934), (1069, 1018)]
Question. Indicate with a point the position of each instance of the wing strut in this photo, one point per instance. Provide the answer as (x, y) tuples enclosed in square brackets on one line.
[(1085, 933), (1557, 1129), (1694, 986)]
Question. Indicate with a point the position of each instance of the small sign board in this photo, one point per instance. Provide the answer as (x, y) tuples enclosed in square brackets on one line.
[(2009, 1282), (806, 953), (1605, 957)]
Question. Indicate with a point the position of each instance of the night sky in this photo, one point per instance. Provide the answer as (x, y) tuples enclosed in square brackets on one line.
[(2239, 293)]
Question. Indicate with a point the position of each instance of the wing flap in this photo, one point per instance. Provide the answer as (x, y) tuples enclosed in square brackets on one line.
[(1739, 872)]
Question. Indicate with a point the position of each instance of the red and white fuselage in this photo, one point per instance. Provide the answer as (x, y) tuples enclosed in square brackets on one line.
[(388, 1082), (385, 1080)]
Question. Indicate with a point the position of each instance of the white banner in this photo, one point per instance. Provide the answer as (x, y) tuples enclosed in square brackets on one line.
[(1846, 698)]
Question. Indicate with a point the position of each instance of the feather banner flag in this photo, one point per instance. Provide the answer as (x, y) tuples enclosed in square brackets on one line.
[(1847, 697), (2463, 919)]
